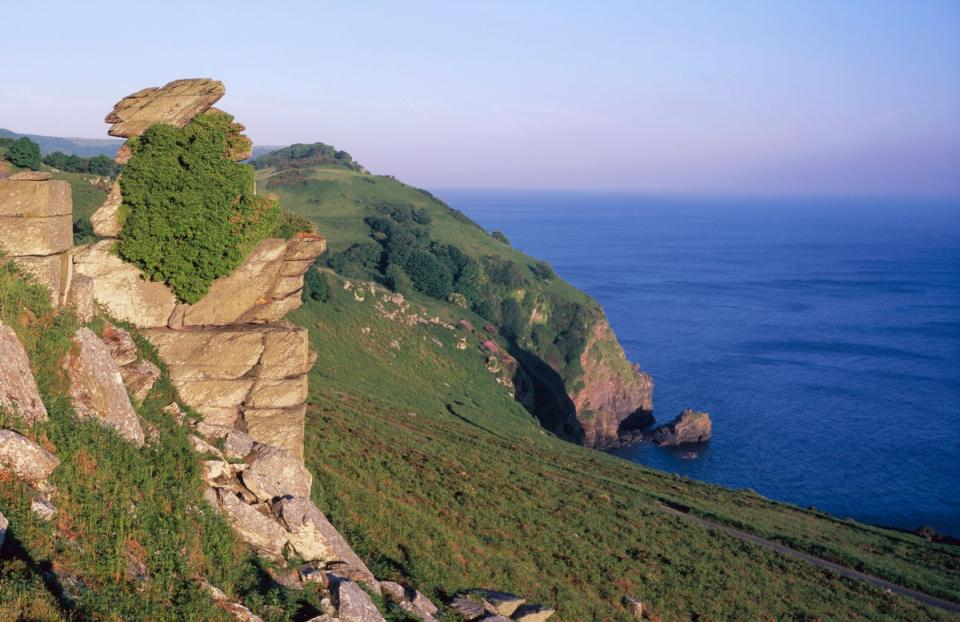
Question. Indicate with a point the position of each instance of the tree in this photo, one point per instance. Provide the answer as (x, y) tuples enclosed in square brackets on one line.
[(25, 153), (429, 274), (315, 285)]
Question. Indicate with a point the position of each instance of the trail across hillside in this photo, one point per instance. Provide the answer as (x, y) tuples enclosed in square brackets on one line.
[(817, 561)]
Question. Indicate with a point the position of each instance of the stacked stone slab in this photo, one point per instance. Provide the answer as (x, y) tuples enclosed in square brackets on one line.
[(36, 228), (230, 355)]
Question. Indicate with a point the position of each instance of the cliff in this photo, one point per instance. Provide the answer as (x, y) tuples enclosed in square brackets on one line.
[(612, 397)]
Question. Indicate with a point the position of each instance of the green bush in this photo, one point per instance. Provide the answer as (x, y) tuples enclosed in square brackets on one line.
[(190, 213), (500, 236), (24, 153), (315, 285)]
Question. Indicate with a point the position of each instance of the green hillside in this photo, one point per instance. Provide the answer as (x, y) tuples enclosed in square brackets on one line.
[(441, 478), (383, 230), (438, 477)]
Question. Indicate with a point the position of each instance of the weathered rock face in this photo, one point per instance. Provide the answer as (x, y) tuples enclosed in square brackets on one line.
[(4, 524), (275, 472), (175, 103), (106, 221), (533, 613), (96, 386), (315, 539), (36, 228), (254, 528), (263, 289), (121, 289), (689, 426), (24, 459), (252, 377), (18, 388), (355, 605), (410, 600), (616, 396)]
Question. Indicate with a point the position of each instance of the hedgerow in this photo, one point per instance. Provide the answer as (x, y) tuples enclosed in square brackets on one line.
[(190, 214)]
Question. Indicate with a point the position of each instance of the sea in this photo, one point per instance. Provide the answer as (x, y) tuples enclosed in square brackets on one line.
[(822, 335)]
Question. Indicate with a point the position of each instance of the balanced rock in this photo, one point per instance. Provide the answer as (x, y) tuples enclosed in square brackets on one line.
[(315, 539), (355, 605), (18, 388), (175, 103), (24, 459), (689, 426), (96, 386)]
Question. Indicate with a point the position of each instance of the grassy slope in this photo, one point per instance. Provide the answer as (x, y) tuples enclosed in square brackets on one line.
[(337, 199), (438, 477), (131, 530)]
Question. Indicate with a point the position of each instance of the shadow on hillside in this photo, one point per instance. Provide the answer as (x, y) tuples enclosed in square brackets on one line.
[(551, 404), (13, 549)]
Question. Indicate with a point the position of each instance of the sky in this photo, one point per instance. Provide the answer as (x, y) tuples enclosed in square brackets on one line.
[(733, 97)]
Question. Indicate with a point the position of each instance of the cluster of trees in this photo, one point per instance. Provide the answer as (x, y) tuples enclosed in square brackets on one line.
[(300, 155), (402, 255), (97, 165), (22, 152)]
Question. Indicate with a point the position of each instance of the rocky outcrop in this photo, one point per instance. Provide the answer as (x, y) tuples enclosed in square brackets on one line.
[(139, 375), (4, 525), (689, 426), (24, 459), (613, 396), (106, 220), (410, 600), (255, 528), (36, 229), (248, 377), (96, 386), (121, 289), (533, 613), (314, 539), (355, 605), (175, 103), (18, 388)]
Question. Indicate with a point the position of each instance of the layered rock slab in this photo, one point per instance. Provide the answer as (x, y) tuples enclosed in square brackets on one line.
[(176, 103), (36, 229), (252, 377)]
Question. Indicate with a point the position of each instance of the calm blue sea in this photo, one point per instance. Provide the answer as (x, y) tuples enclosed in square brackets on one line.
[(823, 337)]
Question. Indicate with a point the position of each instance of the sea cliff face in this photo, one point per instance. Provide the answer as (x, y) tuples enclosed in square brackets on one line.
[(612, 396)]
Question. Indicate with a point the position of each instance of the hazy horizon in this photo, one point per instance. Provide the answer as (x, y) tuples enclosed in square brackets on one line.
[(747, 98)]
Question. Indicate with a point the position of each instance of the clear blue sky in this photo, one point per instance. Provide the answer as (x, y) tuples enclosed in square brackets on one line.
[(859, 97)]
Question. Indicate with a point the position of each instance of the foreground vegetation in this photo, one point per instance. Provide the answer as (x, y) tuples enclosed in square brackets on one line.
[(131, 532)]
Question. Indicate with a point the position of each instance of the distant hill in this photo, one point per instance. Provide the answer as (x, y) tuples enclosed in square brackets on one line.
[(89, 147), (83, 147)]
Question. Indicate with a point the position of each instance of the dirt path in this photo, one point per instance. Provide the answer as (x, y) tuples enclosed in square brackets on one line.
[(843, 571)]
